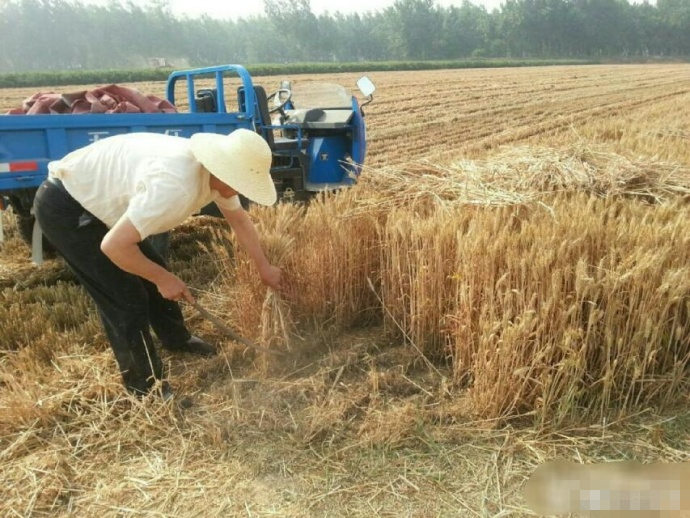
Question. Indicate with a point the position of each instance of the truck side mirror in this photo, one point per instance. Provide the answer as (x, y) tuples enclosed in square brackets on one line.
[(366, 86)]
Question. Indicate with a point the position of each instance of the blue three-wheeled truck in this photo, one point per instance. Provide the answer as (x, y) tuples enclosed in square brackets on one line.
[(317, 134)]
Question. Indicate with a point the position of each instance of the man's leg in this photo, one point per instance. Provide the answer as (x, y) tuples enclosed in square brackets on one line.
[(166, 317), (121, 297)]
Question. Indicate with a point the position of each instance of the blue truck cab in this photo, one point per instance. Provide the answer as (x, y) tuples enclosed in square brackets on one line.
[(315, 148)]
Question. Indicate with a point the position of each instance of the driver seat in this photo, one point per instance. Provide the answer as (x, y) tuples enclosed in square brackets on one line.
[(277, 144)]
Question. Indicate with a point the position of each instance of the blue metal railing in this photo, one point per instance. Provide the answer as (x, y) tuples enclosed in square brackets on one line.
[(218, 72)]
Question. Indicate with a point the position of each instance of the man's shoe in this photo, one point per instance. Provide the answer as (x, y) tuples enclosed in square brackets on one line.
[(166, 391), (195, 345)]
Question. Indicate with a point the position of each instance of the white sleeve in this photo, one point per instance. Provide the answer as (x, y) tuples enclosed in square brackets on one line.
[(231, 203), (160, 203)]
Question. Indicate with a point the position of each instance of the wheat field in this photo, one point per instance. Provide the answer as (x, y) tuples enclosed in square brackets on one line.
[(508, 283)]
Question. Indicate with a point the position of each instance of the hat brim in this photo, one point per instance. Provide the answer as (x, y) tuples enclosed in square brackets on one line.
[(227, 160)]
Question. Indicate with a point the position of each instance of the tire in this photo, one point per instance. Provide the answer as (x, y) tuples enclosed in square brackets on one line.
[(25, 225), (21, 201), (161, 244)]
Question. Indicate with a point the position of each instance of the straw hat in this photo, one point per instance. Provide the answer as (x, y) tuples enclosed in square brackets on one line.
[(241, 160)]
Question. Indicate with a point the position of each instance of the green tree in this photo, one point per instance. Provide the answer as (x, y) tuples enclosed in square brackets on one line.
[(295, 21), (464, 30), (675, 18), (416, 23), (64, 34)]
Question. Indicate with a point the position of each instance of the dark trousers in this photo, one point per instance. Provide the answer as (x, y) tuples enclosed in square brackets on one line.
[(127, 304)]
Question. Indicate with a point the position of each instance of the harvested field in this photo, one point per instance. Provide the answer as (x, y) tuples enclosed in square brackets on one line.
[(509, 283)]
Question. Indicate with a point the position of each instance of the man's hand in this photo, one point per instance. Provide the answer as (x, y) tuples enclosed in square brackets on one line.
[(271, 276), (121, 245), (172, 287)]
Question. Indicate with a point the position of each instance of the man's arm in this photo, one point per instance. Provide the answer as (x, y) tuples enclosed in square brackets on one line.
[(121, 246), (249, 239)]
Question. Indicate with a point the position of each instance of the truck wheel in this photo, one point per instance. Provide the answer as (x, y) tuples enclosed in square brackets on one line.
[(25, 225), (161, 244), (21, 201)]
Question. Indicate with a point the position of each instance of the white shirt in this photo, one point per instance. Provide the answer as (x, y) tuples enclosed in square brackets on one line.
[(151, 178)]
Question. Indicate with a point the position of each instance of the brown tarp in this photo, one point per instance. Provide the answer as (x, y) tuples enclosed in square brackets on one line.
[(106, 99)]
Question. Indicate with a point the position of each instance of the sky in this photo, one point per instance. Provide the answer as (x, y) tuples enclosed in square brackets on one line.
[(234, 9), (244, 8), (238, 9)]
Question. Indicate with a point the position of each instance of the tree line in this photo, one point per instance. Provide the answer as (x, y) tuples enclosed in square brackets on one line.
[(62, 34)]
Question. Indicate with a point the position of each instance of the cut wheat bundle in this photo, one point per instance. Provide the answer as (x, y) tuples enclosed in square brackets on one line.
[(277, 326)]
